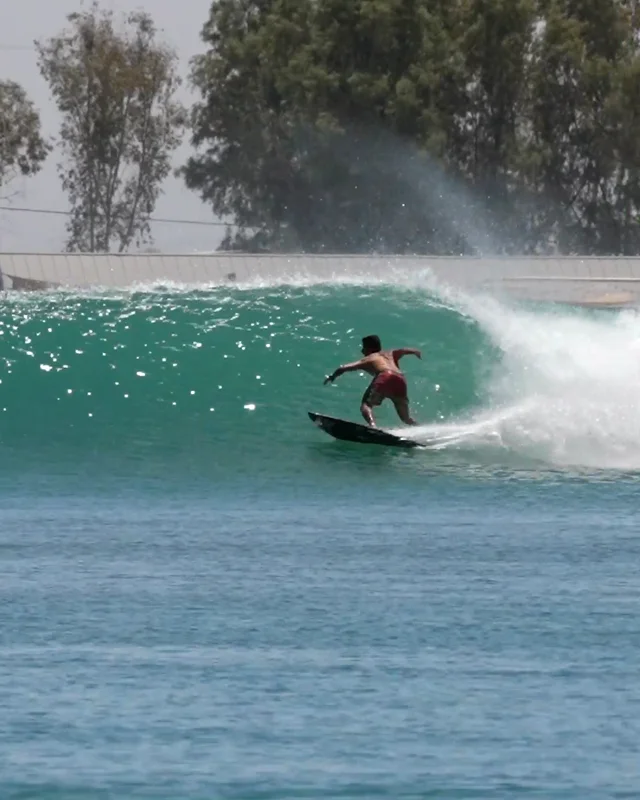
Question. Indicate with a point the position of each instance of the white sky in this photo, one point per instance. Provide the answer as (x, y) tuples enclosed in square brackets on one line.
[(179, 24)]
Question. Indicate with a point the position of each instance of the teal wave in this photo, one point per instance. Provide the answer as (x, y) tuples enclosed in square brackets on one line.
[(215, 384), (204, 375)]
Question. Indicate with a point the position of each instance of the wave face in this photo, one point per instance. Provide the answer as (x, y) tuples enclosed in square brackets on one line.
[(217, 381)]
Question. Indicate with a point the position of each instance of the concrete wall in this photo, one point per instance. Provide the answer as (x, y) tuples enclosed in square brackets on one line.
[(603, 281)]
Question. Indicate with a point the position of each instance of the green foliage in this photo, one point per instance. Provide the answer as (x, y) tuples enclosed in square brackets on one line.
[(420, 125), (120, 124), (291, 129), (22, 148), (580, 110)]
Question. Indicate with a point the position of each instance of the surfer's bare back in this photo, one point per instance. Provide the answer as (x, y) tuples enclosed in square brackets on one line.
[(388, 382)]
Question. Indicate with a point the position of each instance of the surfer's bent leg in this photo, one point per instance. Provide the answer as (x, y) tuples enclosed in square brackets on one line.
[(365, 410), (397, 393), (402, 409), (370, 398)]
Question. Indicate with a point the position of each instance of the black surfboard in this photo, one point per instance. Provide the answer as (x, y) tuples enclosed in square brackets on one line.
[(353, 432)]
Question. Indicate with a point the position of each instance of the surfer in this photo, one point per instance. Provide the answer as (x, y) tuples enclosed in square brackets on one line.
[(388, 381)]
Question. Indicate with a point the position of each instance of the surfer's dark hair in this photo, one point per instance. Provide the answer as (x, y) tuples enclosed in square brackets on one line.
[(371, 342)]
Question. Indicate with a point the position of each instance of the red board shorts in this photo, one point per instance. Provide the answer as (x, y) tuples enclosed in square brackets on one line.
[(391, 385)]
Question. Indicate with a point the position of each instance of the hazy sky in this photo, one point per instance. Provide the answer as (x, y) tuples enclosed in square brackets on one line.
[(21, 23)]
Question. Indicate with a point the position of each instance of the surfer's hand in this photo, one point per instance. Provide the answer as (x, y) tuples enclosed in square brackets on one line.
[(335, 374)]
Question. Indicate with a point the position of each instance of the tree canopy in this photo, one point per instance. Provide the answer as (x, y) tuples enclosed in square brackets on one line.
[(420, 126), (23, 150), (115, 90)]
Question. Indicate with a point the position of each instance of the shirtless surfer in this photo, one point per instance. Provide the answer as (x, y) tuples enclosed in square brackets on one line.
[(388, 381)]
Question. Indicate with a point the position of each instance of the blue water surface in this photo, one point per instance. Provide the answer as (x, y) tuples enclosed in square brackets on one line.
[(438, 636)]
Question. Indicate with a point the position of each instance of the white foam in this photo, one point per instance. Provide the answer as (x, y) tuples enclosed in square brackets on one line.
[(565, 390)]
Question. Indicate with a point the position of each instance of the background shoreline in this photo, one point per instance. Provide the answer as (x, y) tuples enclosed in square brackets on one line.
[(612, 282)]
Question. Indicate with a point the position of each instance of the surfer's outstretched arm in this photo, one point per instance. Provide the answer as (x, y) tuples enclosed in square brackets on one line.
[(406, 351), (353, 367)]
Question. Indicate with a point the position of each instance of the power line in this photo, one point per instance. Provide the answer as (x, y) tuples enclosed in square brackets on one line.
[(56, 212)]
